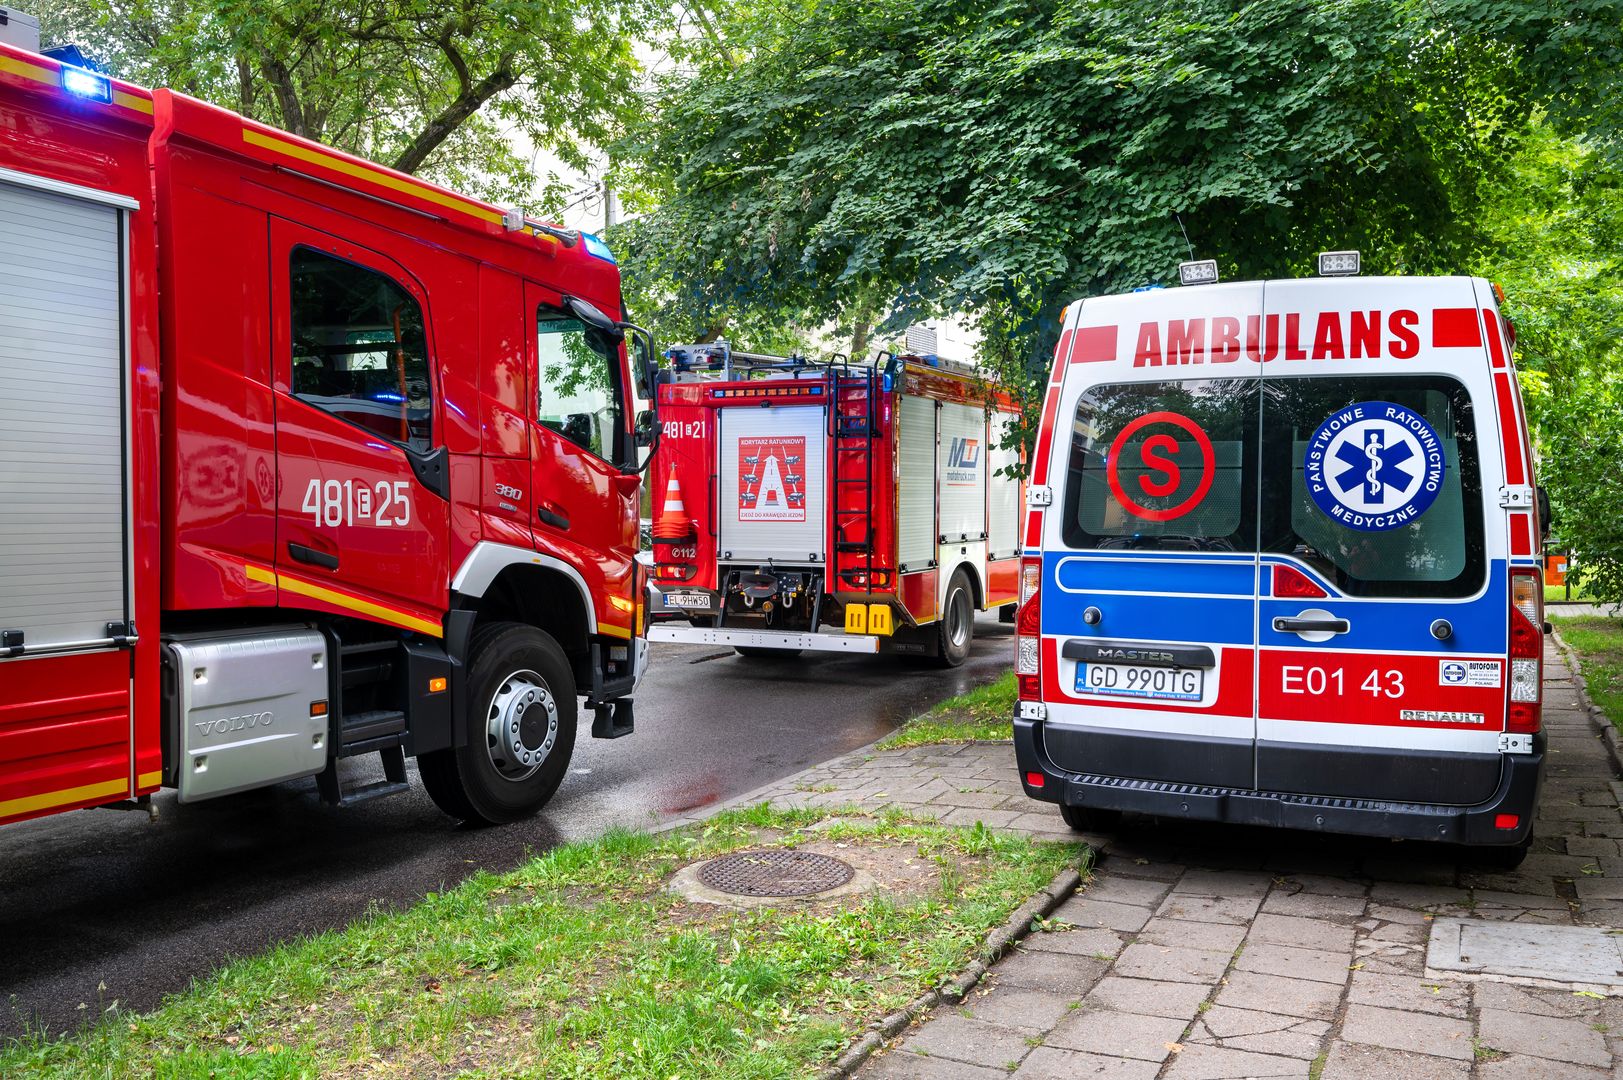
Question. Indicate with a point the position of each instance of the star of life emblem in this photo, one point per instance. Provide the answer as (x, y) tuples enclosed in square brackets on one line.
[(1374, 466)]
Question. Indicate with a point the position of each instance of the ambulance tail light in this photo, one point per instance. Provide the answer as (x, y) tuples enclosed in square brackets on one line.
[(1291, 583), (1526, 713), (1028, 632)]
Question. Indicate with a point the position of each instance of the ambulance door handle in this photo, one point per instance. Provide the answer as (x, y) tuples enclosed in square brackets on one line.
[(1287, 625)]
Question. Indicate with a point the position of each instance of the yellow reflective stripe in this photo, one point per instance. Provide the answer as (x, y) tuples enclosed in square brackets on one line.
[(149, 779), (349, 603), (371, 174), (130, 101), (29, 803), (50, 77), (613, 631), (11, 66)]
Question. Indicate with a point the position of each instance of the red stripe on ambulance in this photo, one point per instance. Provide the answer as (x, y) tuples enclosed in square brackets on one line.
[(1370, 688), (1093, 344), (1233, 691), (1496, 342), (1515, 461), (1455, 328), (1521, 534)]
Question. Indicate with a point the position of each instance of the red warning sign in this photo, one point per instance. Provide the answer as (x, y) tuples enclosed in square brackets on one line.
[(772, 478), (1161, 475)]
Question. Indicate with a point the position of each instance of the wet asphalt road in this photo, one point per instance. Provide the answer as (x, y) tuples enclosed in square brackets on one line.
[(100, 897)]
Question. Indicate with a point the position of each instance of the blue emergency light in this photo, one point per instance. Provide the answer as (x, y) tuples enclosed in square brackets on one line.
[(81, 82), (597, 247)]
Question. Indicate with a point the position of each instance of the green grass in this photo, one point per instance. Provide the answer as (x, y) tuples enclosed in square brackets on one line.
[(1598, 641), (1557, 594), (580, 964), (983, 713)]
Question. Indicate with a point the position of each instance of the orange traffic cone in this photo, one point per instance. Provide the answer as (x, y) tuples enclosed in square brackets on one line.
[(673, 522)]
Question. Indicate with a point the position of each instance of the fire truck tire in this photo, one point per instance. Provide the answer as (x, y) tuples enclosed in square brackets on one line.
[(755, 652), (955, 630), (520, 727)]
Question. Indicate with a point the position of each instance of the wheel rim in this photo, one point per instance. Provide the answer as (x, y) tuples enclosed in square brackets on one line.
[(521, 725), (958, 620)]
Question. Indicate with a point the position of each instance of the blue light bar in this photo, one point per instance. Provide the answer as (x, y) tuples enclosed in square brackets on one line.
[(596, 247), (87, 84)]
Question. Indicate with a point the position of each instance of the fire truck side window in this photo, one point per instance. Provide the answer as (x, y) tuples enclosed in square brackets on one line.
[(359, 350), (577, 388)]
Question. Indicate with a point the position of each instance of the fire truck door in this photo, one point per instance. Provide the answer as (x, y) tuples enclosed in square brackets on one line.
[(361, 503), (584, 505)]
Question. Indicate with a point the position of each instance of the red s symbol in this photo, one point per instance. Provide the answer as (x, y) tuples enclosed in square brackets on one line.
[(1153, 452), (1155, 449)]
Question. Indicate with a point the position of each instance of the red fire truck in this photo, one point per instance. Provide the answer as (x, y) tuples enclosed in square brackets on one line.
[(301, 459), (876, 500)]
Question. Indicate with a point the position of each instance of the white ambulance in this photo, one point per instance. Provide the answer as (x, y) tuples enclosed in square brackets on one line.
[(1280, 562)]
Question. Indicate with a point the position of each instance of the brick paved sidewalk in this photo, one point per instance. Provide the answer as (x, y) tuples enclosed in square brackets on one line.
[(1213, 952)]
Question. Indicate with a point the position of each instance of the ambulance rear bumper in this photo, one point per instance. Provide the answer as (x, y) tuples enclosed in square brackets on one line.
[(1517, 794)]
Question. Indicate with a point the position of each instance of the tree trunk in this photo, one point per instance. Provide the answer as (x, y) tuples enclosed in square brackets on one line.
[(441, 127)]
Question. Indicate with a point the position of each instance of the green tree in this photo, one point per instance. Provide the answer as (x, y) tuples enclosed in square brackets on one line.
[(1557, 227), (435, 88)]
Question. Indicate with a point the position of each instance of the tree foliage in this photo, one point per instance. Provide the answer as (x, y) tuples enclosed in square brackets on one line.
[(1557, 224), (953, 156), (433, 87)]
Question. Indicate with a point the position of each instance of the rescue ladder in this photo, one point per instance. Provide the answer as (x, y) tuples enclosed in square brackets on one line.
[(853, 425)]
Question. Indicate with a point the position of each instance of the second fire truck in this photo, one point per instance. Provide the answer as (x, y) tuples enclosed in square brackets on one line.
[(831, 506)]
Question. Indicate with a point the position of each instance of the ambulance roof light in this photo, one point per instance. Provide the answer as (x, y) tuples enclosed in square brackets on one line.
[(1338, 263), (87, 84), (1198, 272)]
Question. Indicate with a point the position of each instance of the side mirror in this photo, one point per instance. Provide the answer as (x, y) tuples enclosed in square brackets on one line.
[(592, 316), (1545, 515), (643, 431)]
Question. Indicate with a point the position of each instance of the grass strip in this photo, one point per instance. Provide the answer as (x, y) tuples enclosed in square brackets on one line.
[(1598, 641), (581, 964), (980, 715)]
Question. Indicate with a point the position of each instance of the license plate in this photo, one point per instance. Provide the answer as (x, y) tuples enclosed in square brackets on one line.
[(688, 600), (1130, 680)]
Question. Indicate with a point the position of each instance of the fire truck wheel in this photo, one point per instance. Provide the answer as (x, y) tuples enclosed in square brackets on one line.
[(956, 627), (755, 652), (520, 728), (1089, 819)]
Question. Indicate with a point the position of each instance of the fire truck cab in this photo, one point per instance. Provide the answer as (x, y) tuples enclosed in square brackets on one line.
[(301, 459), (835, 506)]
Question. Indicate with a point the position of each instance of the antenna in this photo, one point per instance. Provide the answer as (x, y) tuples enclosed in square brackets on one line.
[(1179, 219)]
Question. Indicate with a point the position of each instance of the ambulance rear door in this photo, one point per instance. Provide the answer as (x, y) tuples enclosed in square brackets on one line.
[(1150, 562), (1382, 617)]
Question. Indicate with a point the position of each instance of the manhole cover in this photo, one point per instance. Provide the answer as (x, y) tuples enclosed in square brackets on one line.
[(778, 872)]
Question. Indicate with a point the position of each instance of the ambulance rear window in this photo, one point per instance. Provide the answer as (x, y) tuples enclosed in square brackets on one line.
[(1164, 466), (1374, 482)]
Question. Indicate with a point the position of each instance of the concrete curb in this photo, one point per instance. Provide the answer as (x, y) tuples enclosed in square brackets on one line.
[(953, 988)]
